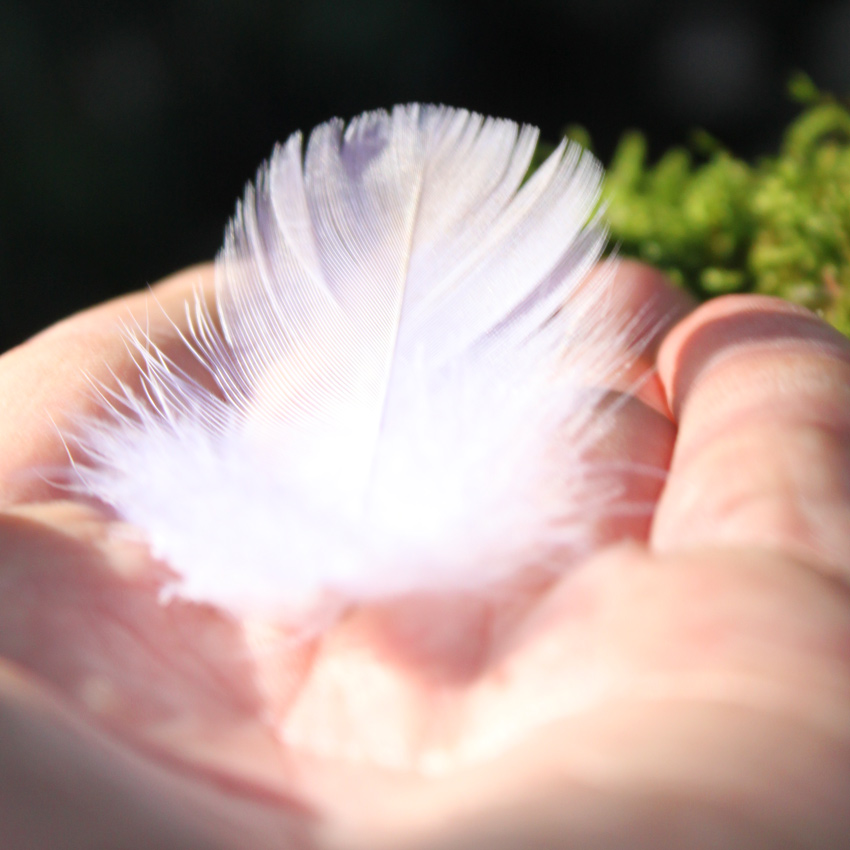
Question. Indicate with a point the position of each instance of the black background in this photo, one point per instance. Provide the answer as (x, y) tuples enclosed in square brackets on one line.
[(128, 129)]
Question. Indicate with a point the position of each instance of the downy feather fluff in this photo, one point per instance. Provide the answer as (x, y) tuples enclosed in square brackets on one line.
[(407, 352)]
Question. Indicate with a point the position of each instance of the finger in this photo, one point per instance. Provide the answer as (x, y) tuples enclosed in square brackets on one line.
[(628, 464), (646, 292), (642, 295), (81, 608), (47, 382), (66, 785), (761, 391), (635, 435)]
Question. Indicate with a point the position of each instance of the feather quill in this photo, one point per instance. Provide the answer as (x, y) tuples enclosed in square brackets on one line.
[(402, 331)]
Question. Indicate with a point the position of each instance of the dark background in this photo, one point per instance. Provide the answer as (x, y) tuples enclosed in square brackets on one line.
[(128, 129)]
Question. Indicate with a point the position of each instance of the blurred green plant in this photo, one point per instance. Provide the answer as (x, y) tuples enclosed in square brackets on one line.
[(718, 224)]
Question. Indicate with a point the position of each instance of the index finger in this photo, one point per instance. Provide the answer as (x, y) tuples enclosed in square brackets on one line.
[(46, 383)]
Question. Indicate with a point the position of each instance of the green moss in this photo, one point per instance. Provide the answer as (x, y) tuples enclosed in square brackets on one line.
[(718, 224)]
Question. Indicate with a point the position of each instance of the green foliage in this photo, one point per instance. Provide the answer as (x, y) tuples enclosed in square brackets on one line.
[(718, 224)]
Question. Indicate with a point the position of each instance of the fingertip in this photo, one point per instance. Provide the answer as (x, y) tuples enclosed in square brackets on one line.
[(643, 291), (726, 324), (183, 284), (45, 383)]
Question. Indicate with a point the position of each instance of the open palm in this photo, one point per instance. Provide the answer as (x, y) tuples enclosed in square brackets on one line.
[(687, 685)]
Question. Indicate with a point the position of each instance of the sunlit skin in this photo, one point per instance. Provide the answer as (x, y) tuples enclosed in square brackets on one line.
[(686, 685)]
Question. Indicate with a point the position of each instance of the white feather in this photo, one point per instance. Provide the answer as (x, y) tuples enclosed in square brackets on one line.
[(404, 336)]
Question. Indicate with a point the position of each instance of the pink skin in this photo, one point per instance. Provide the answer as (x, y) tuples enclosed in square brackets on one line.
[(686, 686)]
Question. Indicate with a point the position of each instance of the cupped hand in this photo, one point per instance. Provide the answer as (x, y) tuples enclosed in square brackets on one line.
[(686, 685)]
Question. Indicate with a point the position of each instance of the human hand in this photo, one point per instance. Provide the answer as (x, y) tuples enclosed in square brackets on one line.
[(688, 685)]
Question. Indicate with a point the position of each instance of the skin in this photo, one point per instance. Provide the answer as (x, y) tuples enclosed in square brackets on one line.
[(687, 685)]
